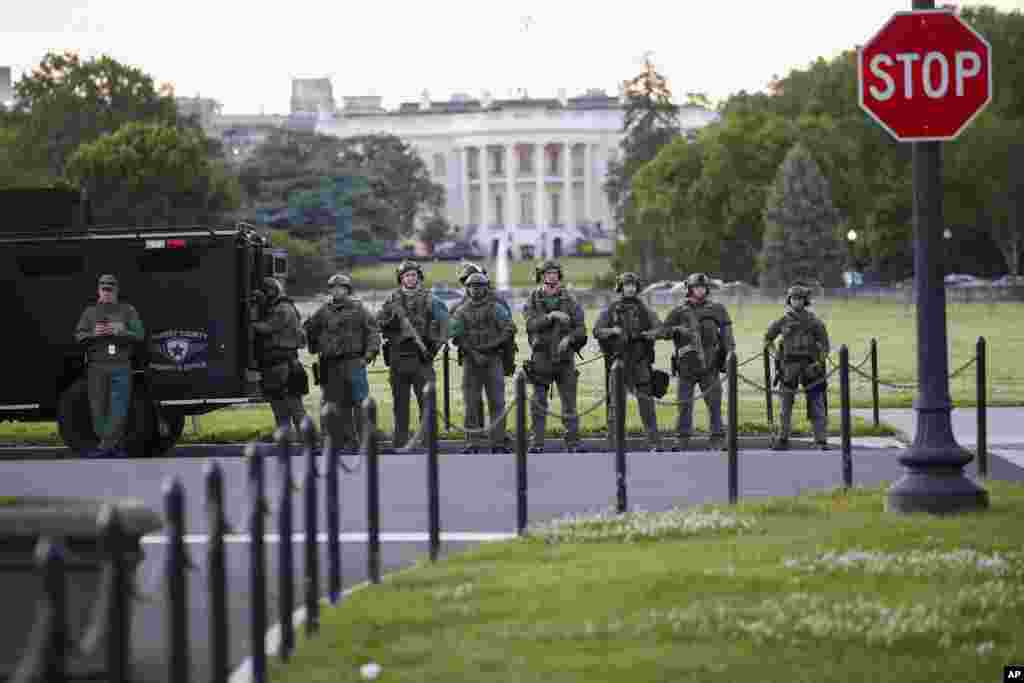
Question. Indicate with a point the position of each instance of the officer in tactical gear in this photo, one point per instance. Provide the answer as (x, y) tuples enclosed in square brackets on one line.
[(109, 331), (480, 328), (556, 331), (280, 335), (701, 332), (468, 269), (800, 361), (345, 335), (414, 324), (626, 331)]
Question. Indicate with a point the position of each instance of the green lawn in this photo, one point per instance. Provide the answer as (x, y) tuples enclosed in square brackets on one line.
[(822, 587), (580, 272), (853, 323)]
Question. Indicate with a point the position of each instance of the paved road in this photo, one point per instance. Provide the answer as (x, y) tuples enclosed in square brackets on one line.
[(478, 495)]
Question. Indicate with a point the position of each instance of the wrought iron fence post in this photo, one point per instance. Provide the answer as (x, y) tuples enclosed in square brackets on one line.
[(768, 385), (372, 490), (982, 411), (333, 521), (309, 491), (217, 574), (447, 390), (844, 414), (732, 436), (176, 568), (117, 636), (619, 385), (50, 560), (433, 478), (874, 381), (257, 564), (286, 566), (521, 491)]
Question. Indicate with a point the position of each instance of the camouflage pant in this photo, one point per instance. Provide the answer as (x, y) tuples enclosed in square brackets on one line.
[(811, 377), (286, 406), (407, 373), (711, 391), (477, 379), (344, 384), (566, 378), (110, 396)]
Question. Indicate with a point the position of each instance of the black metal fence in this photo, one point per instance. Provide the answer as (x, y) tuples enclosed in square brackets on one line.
[(47, 656)]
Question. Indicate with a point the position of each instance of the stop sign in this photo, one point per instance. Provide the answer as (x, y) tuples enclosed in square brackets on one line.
[(924, 75)]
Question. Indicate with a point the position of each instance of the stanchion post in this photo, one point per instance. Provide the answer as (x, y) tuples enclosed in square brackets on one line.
[(312, 546), (732, 444), (521, 501), (372, 490), (446, 373), (874, 381), (257, 564), (217, 574), (768, 385), (178, 666), (50, 560), (433, 475), (117, 636), (333, 520), (286, 565), (982, 382), (619, 387), (844, 414)]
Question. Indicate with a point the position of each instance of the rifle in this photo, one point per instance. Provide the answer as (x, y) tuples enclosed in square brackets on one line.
[(410, 331)]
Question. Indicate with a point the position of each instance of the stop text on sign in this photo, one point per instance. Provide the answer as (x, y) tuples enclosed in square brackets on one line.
[(932, 72)]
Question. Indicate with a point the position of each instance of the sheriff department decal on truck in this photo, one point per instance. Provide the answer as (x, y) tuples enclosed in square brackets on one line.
[(179, 350)]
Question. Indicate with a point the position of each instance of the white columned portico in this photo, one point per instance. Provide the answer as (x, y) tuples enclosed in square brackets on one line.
[(588, 175), (538, 206), (467, 205), (568, 200), (485, 193), (511, 208)]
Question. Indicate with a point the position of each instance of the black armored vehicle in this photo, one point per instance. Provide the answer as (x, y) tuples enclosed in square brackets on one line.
[(195, 288)]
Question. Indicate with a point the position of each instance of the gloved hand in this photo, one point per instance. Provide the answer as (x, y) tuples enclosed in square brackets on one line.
[(370, 358), (563, 345), (559, 316)]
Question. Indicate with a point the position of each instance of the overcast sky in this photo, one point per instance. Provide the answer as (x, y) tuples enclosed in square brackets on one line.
[(245, 54)]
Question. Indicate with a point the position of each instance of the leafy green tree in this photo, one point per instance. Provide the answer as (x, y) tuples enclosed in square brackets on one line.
[(153, 174), (67, 101), (800, 240), (435, 230)]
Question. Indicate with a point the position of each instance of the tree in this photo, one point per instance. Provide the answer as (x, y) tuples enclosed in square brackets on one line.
[(435, 229), (800, 241), (66, 102), (153, 174)]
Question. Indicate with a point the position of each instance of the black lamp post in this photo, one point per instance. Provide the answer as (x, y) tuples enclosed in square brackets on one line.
[(934, 479)]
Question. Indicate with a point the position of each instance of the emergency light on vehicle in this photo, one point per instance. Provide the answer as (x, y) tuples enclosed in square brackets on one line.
[(165, 244)]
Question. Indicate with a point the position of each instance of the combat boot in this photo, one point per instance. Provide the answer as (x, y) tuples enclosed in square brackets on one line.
[(780, 444), (716, 442)]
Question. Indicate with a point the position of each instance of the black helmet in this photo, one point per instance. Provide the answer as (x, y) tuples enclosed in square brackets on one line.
[(468, 269), (545, 267), (405, 266), (798, 289), (272, 287), (698, 280), (340, 280), (621, 280), (478, 279)]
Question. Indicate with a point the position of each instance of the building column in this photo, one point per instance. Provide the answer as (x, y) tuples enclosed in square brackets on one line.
[(588, 183), (538, 206), (569, 204), (511, 205), (485, 193), (467, 206)]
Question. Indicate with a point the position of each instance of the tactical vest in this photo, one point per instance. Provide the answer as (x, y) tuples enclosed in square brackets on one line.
[(633, 317), (539, 306), (290, 336), (341, 329), (798, 338), (416, 306), (480, 323), (691, 362)]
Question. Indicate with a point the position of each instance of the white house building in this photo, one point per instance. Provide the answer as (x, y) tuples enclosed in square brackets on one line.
[(530, 170)]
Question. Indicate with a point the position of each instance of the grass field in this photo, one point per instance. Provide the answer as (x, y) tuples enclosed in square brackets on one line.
[(580, 272), (823, 587), (853, 323)]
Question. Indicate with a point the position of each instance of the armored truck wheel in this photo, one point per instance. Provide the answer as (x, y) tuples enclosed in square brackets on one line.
[(167, 430), (140, 425), (74, 418)]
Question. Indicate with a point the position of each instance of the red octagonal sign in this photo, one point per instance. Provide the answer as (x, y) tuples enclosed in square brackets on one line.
[(925, 75)]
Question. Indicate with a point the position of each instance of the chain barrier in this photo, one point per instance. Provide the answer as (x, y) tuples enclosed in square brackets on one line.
[(697, 395), (483, 430), (783, 391), (535, 406)]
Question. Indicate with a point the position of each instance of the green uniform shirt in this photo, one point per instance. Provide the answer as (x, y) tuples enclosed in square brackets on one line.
[(115, 347)]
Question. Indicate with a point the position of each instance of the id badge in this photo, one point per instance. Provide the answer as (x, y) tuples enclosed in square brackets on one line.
[(112, 349)]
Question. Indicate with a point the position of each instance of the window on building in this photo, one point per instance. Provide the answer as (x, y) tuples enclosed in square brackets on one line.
[(474, 206), (497, 167), (525, 159), (499, 209), (473, 163), (440, 167), (578, 161), (556, 208), (553, 159), (526, 215)]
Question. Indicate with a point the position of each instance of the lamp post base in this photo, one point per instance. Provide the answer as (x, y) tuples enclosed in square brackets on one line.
[(936, 491)]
